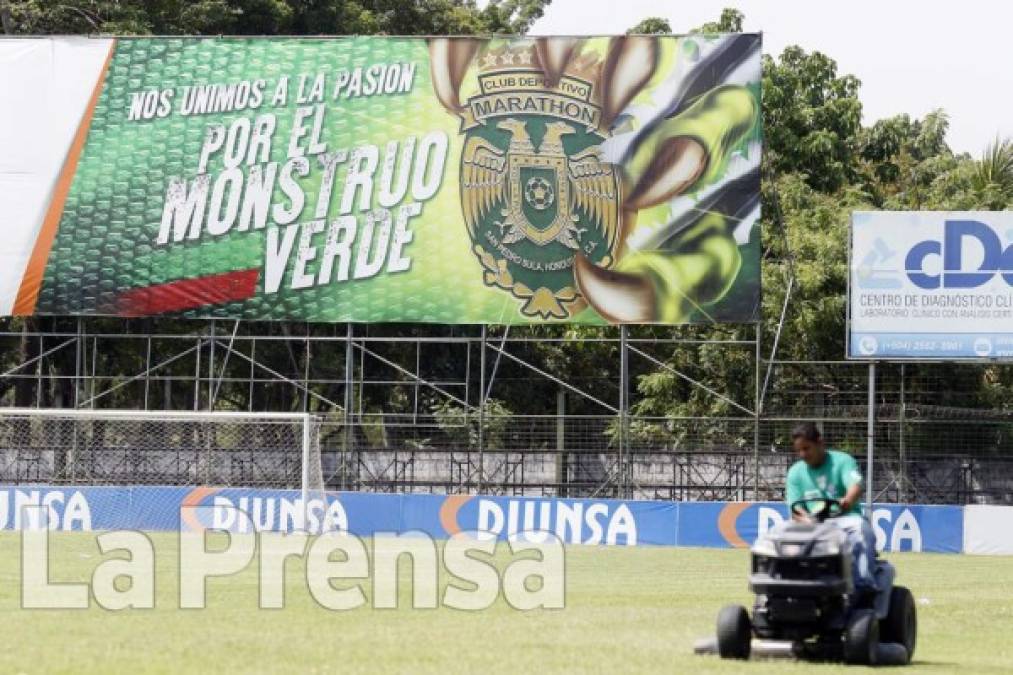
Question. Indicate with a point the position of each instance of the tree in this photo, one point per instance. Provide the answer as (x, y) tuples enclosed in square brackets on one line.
[(6, 22), (653, 25), (729, 22), (274, 17), (900, 158), (812, 117), (993, 175)]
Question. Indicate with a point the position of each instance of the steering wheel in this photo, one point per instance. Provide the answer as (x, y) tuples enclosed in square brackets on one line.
[(829, 508)]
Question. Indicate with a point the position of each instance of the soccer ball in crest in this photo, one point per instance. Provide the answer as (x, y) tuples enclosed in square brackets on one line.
[(539, 193)]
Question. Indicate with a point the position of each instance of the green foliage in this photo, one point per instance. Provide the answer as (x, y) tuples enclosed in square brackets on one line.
[(653, 25), (730, 21), (812, 117), (461, 426), (992, 178), (274, 17)]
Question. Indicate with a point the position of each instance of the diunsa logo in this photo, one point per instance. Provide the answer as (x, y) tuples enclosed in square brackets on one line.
[(576, 522), (50, 509), (901, 534)]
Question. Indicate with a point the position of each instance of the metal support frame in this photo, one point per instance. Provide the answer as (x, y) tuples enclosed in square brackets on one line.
[(349, 438), (225, 363), (481, 410), (901, 444), (624, 404), (279, 376), (553, 378), (196, 377), (757, 411), (211, 366), (172, 360), (871, 439), (696, 383)]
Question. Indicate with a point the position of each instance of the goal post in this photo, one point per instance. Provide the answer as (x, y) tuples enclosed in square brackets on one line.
[(56, 446)]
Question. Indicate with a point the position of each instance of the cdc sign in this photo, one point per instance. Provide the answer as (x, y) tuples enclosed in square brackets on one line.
[(931, 285)]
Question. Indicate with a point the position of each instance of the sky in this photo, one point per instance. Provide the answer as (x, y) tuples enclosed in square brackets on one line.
[(911, 56)]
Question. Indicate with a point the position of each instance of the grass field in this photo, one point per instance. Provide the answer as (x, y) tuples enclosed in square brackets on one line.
[(628, 610)]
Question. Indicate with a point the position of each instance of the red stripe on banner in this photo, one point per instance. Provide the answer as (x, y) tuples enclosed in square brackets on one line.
[(177, 296)]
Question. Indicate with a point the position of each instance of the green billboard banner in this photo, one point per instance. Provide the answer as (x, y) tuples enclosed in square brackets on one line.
[(444, 180)]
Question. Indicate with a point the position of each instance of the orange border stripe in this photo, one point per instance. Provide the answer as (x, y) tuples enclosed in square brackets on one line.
[(31, 282)]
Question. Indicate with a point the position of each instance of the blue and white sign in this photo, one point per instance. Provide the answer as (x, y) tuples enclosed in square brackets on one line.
[(931, 285), (609, 522)]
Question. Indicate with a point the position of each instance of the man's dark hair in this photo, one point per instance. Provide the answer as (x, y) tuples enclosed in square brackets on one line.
[(807, 431)]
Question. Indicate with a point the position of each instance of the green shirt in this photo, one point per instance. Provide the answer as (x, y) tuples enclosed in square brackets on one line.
[(830, 480)]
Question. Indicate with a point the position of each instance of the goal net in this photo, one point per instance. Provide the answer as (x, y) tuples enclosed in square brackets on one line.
[(265, 451)]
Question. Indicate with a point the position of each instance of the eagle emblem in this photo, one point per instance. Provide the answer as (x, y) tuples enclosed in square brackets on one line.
[(512, 184), (529, 208)]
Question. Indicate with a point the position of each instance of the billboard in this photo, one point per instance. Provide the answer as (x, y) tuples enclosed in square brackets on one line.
[(446, 180), (931, 285)]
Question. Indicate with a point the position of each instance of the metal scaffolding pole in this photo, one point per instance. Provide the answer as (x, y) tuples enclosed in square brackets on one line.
[(77, 367), (225, 363), (418, 374), (306, 374), (481, 412), (196, 379), (347, 445), (38, 371), (361, 378), (624, 381), (562, 466), (94, 365), (870, 434), (756, 416), (147, 374), (902, 442), (211, 367)]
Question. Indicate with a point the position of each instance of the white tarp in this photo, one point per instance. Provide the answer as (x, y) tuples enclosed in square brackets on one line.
[(57, 77), (988, 530)]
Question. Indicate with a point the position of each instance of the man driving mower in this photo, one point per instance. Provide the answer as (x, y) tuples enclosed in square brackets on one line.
[(819, 590), (822, 473)]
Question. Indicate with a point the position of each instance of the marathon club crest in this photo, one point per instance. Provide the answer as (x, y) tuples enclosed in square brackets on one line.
[(620, 173), (534, 189)]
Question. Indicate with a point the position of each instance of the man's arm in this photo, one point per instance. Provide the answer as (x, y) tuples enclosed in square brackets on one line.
[(851, 477), (852, 496)]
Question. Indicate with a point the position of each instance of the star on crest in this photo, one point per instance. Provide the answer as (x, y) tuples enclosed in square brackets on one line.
[(489, 60), (525, 57), (507, 59)]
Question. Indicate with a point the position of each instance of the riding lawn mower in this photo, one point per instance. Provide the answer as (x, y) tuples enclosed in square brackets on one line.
[(806, 603)]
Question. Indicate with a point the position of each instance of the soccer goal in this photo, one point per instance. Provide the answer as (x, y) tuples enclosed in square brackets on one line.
[(133, 447)]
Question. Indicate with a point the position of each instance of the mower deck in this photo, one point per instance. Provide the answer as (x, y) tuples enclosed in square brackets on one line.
[(887, 653)]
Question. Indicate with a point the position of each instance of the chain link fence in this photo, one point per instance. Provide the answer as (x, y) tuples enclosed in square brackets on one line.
[(708, 459), (137, 448), (925, 451), (936, 439)]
